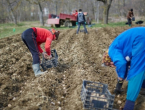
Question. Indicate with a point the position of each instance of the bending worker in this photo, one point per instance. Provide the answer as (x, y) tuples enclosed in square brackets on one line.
[(33, 38), (128, 49)]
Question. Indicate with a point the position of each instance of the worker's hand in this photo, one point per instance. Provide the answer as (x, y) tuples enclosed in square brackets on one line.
[(121, 79), (46, 56), (50, 56), (111, 64)]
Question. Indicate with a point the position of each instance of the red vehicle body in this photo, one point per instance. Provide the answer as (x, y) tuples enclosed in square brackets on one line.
[(62, 19), (66, 19)]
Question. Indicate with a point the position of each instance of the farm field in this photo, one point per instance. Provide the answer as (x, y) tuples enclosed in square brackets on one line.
[(79, 59)]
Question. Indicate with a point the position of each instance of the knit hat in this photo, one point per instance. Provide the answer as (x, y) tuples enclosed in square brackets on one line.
[(80, 10), (57, 34), (106, 59), (53, 30), (131, 9)]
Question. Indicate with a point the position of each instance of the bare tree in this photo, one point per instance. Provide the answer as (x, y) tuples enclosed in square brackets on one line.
[(123, 2), (98, 6), (107, 5), (96, 10), (38, 2), (57, 5), (41, 13), (124, 14), (2, 17), (22, 10), (12, 7)]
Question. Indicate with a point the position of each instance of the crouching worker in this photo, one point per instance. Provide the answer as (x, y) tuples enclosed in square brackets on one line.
[(128, 49), (33, 37)]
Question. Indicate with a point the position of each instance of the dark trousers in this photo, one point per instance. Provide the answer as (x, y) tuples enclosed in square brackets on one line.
[(29, 38), (79, 24), (129, 21)]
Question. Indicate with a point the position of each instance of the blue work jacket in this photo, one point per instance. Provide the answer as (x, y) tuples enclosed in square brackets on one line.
[(130, 43)]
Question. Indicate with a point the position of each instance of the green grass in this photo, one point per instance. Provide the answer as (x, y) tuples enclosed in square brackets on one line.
[(9, 29), (109, 24), (5, 32)]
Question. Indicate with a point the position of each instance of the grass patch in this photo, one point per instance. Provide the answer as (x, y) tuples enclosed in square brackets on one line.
[(9, 29), (95, 25)]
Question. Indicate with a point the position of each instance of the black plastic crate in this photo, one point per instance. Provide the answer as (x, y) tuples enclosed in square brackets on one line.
[(49, 63), (96, 96)]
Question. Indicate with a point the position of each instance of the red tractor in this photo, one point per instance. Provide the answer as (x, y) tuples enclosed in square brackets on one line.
[(65, 19)]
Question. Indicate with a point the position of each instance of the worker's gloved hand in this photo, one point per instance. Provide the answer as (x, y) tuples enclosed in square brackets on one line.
[(50, 56), (76, 23), (46, 56), (118, 89), (85, 22)]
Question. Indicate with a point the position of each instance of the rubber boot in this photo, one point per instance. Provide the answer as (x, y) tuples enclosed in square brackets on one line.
[(37, 71)]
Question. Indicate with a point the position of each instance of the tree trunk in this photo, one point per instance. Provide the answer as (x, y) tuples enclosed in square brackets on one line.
[(56, 7), (107, 6), (41, 14), (94, 9), (98, 6), (123, 3), (11, 12), (124, 13), (13, 17), (119, 13), (9, 17)]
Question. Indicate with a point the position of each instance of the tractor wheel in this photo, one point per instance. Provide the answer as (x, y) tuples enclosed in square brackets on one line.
[(66, 23), (57, 25)]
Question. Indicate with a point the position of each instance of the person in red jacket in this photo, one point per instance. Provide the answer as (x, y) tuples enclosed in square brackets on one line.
[(75, 13), (33, 38)]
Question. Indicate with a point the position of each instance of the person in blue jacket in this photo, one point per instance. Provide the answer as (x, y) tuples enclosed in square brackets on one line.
[(127, 54)]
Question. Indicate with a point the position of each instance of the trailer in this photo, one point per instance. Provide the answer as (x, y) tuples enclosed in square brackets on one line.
[(65, 19), (62, 19)]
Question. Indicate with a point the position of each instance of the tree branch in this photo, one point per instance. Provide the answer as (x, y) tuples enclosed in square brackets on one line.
[(104, 1)]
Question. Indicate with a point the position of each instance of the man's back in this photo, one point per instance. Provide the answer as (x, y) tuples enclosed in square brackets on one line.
[(80, 17)]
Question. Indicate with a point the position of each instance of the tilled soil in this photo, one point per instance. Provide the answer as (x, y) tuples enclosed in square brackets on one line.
[(79, 59)]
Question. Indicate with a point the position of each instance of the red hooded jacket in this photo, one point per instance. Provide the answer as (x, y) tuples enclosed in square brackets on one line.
[(44, 35)]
